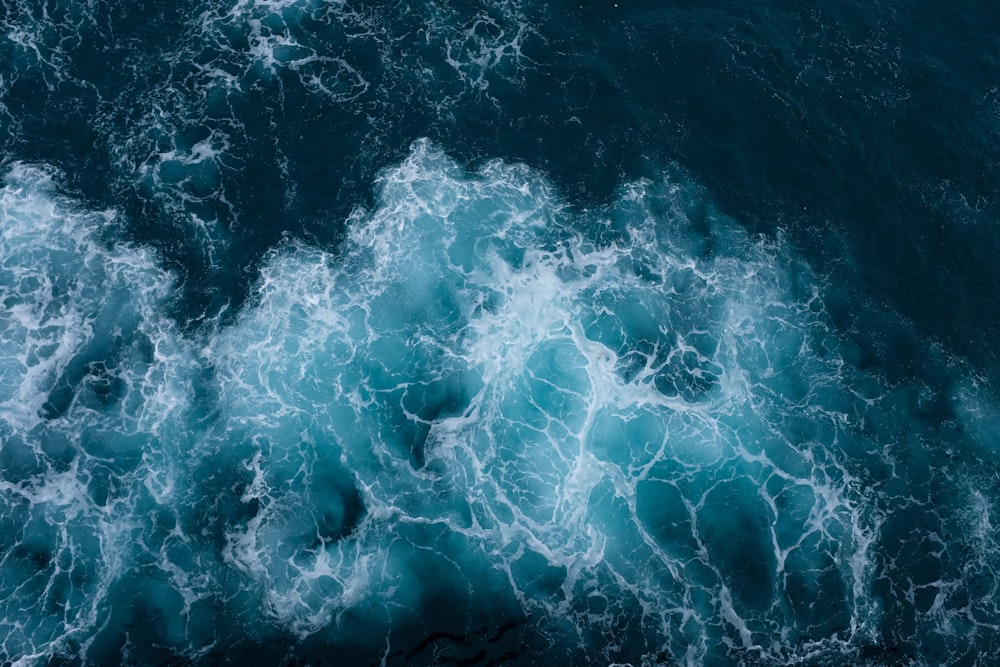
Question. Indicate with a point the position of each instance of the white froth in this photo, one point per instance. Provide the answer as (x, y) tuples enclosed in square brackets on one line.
[(523, 293), (66, 294), (477, 376)]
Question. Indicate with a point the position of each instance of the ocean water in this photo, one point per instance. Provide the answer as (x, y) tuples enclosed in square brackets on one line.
[(499, 333)]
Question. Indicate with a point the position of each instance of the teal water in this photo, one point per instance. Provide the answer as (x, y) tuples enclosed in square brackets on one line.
[(498, 333)]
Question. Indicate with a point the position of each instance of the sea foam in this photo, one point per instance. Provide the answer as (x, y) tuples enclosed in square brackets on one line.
[(486, 421)]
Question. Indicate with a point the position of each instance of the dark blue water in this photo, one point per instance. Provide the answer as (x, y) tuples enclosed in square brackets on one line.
[(489, 333)]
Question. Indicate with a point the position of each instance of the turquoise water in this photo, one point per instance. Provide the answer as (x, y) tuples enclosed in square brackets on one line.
[(497, 333)]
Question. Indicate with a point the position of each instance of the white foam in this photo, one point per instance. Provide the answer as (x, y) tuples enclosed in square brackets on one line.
[(476, 362), (67, 294), (499, 249)]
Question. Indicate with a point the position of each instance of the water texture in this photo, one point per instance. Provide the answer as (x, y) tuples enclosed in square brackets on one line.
[(498, 333)]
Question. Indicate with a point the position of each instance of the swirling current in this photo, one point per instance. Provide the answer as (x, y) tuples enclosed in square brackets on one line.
[(499, 332)]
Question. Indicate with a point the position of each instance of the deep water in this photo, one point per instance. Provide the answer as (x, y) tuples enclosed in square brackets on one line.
[(499, 333)]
